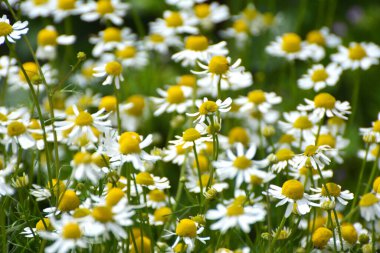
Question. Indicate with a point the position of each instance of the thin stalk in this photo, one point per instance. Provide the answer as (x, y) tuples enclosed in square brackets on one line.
[(199, 174), (373, 171), (277, 233), (373, 237), (117, 108)]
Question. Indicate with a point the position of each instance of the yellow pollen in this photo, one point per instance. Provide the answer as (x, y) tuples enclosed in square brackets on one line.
[(59, 188), (235, 210), (104, 7), (218, 65), (208, 107), (326, 139), (256, 180), (196, 43), (335, 121), (175, 95), (162, 214), (302, 122), (156, 38), (186, 228), (127, 52), (101, 160), (41, 227), (180, 150), (349, 233), (191, 134), (71, 231), (47, 37), (376, 126), (16, 128), (320, 221), (114, 68), (82, 158), (257, 97), (138, 103), (88, 72), (332, 188), (286, 138), (83, 119), (31, 71), (143, 245), (114, 196), (321, 236), (238, 134), (128, 136), (174, 19), (319, 75), (66, 4), (187, 80), (157, 195), (81, 212), (112, 34), (316, 37), (202, 10), (293, 189), (324, 100), (242, 162), (108, 103), (68, 201), (129, 143), (203, 163), (284, 154), (375, 151), (102, 214), (240, 26), (375, 185), (144, 178), (356, 52), (205, 178), (368, 199), (3, 117), (291, 43), (310, 150)]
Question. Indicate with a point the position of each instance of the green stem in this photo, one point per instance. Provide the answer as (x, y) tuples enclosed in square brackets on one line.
[(199, 174), (373, 171), (277, 233), (355, 97), (373, 237), (117, 108)]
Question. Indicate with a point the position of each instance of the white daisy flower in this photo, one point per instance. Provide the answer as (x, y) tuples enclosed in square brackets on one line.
[(5, 188), (131, 55), (160, 216), (313, 156), (7, 66), (235, 215), (184, 4), (374, 130), (318, 77), (240, 31), (113, 70), (193, 184), (303, 175), (359, 55), (39, 192), (152, 182), (132, 112), (160, 43), (337, 144), (208, 15), (334, 191), (198, 48), (241, 166), (298, 124), (41, 225), (193, 136), (174, 22), (369, 206), (283, 158), (175, 98), (156, 199), (11, 33), (105, 10), (258, 100), (84, 167), (323, 37), (65, 8), (209, 108), (176, 154), (34, 9), (325, 104)]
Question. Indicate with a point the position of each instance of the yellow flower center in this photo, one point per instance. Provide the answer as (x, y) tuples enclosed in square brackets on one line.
[(127, 52), (268, 18), (180, 247), (250, 13), (104, 7), (286, 138), (129, 143), (291, 43), (321, 236), (108, 103), (242, 162), (175, 95), (326, 139), (71, 230), (101, 160), (240, 26), (83, 119), (102, 214), (238, 134), (157, 195), (293, 189), (324, 100), (47, 37), (66, 4), (114, 68), (332, 188), (5, 29), (319, 75), (16, 128), (162, 214), (208, 107), (186, 228), (191, 134), (59, 188), (284, 154), (349, 233), (3, 117), (376, 183), (257, 97), (375, 150), (356, 52), (82, 158), (81, 212), (196, 43), (143, 245), (335, 121), (88, 72), (302, 122), (205, 178), (174, 19), (218, 65), (203, 163), (235, 210), (316, 37), (376, 126), (256, 180), (112, 34), (138, 103), (114, 196), (144, 178), (68, 201), (180, 150), (40, 226), (31, 71), (310, 150), (156, 38), (202, 10), (368, 199), (40, 2), (187, 80)]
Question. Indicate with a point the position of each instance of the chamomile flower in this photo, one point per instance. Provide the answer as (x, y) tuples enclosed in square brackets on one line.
[(357, 55), (160, 216), (369, 206), (113, 70), (334, 191), (84, 167), (318, 77), (337, 144), (197, 48), (11, 33), (65, 8), (259, 100), (160, 43), (193, 184), (208, 15), (39, 192), (18, 134), (298, 124), (374, 130), (184, 4), (7, 66), (303, 175), (130, 55), (240, 31), (291, 47), (321, 237), (176, 154), (175, 98), (323, 37), (292, 193), (209, 108), (313, 156), (281, 159), (193, 136), (42, 225), (34, 9), (132, 112), (105, 10), (325, 104), (174, 23), (156, 199), (235, 215), (152, 182), (48, 39), (5, 188), (240, 166)]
